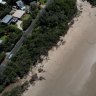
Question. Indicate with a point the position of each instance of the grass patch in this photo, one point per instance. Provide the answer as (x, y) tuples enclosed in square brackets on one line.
[(43, 1), (3, 38), (25, 17), (52, 24)]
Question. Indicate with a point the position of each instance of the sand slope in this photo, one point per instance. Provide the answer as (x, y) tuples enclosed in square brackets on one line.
[(70, 70)]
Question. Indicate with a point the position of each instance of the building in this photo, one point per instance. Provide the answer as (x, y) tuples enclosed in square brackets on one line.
[(18, 14), (2, 2), (20, 4), (7, 19)]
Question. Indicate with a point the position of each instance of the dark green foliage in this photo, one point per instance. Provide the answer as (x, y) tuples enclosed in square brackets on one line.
[(34, 9), (19, 68), (42, 1), (4, 10), (17, 91), (27, 22), (93, 2), (13, 2), (2, 55), (12, 34), (52, 24)]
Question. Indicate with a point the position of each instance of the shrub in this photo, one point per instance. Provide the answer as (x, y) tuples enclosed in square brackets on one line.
[(2, 56), (27, 22)]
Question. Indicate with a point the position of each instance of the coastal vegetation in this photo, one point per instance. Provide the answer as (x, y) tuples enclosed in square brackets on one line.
[(13, 2), (18, 90), (10, 35), (26, 22), (4, 9), (93, 2), (52, 24)]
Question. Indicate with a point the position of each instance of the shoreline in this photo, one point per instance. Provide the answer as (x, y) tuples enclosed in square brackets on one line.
[(67, 51)]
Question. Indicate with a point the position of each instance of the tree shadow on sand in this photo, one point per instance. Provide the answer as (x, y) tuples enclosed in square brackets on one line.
[(35, 78)]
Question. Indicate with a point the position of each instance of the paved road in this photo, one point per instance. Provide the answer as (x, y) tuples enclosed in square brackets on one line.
[(22, 39), (18, 44), (71, 69)]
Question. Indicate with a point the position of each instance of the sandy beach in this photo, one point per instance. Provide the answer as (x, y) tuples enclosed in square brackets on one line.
[(71, 68)]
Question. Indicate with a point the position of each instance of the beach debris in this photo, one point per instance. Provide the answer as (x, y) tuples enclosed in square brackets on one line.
[(41, 78), (40, 70)]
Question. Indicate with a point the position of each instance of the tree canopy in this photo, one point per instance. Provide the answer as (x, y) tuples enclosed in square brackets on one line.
[(52, 24)]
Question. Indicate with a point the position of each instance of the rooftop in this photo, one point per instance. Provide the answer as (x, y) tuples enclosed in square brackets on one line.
[(2, 2), (20, 4), (19, 13), (6, 19)]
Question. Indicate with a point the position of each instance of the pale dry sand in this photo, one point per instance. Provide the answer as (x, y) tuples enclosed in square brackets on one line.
[(71, 69)]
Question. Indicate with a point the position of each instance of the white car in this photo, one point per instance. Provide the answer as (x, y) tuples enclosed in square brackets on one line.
[(10, 56)]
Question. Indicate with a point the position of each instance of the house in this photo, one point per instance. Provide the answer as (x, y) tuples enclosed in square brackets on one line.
[(7, 19), (2, 2), (18, 14), (14, 20), (20, 4)]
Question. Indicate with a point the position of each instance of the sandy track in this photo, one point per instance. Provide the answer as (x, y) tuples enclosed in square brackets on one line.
[(70, 70)]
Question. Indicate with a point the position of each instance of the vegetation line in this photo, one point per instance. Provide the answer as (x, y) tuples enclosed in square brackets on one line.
[(52, 24), (92, 2)]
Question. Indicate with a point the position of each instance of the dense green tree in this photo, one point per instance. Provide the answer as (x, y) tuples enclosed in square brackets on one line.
[(4, 9), (52, 24), (12, 34), (13, 2), (26, 23)]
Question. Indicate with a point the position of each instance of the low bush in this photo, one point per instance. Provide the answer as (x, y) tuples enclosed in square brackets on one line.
[(26, 23), (2, 56), (52, 24)]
